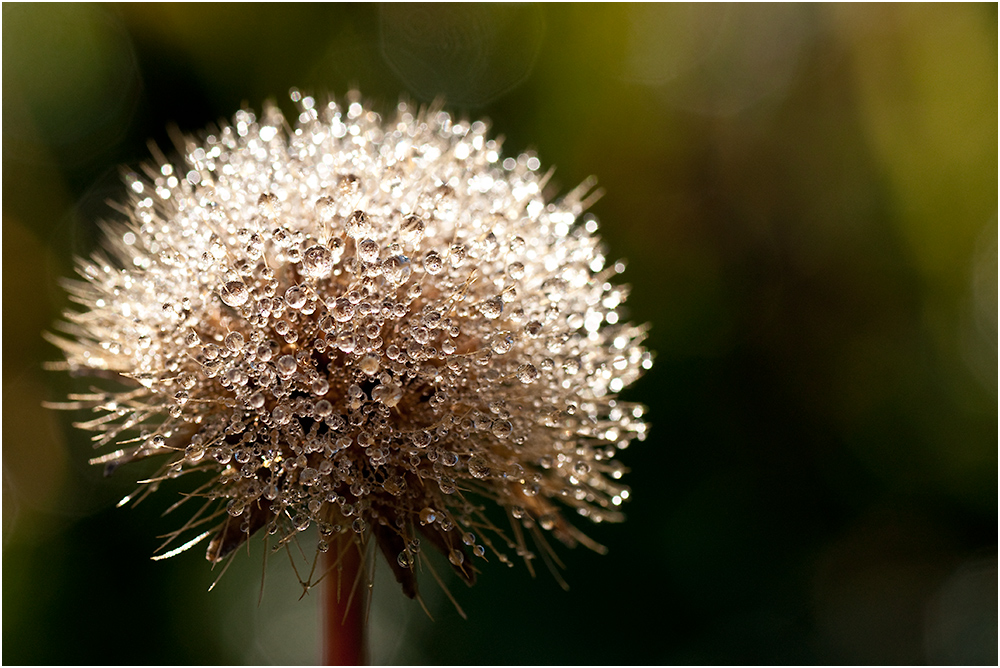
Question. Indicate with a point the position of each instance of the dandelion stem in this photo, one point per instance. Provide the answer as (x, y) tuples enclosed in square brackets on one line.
[(344, 636)]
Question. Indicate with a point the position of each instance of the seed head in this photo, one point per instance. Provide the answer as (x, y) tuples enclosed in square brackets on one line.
[(372, 327)]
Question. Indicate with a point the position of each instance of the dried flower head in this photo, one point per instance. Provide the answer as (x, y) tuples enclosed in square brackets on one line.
[(367, 326)]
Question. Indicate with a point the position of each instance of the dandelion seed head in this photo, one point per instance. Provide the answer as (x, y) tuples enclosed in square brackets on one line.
[(376, 327)]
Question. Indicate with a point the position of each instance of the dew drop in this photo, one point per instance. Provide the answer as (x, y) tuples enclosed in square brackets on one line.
[(404, 560), (350, 185), (412, 230), (501, 428), (369, 364), (286, 365), (256, 400), (502, 342), (234, 293), (457, 255), (295, 297), (317, 261), (358, 225), (235, 341), (515, 270), (492, 308), (456, 557), (345, 342), (343, 309), (527, 373), (427, 516), (389, 394), (396, 269), (268, 205), (368, 250), (479, 467), (325, 209), (433, 263)]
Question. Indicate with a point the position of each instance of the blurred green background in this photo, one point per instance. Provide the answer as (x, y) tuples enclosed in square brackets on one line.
[(806, 196)]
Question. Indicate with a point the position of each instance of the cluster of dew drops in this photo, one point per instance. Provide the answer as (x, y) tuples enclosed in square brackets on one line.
[(355, 322)]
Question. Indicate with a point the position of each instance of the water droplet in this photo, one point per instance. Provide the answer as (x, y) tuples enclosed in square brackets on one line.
[(457, 255), (396, 269), (358, 225), (492, 308), (317, 261), (295, 297), (350, 185), (427, 516), (368, 250), (389, 394), (479, 467), (325, 209), (286, 365), (421, 439), (369, 364), (527, 373), (404, 560), (268, 205), (234, 293), (501, 428), (343, 309), (346, 342), (412, 230), (235, 341), (515, 270), (433, 264), (502, 342), (456, 557)]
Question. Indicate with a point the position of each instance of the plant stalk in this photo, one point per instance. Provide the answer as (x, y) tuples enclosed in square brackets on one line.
[(344, 635)]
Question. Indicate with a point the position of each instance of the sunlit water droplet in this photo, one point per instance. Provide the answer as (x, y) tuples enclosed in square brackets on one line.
[(234, 293), (433, 263), (492, 308), (317, 261), (368, 250), (527, 373)]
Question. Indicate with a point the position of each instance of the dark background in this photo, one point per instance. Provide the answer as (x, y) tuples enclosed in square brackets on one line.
[(806, 196)]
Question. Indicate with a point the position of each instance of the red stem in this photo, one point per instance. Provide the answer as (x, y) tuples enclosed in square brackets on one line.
[(344, 637)]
